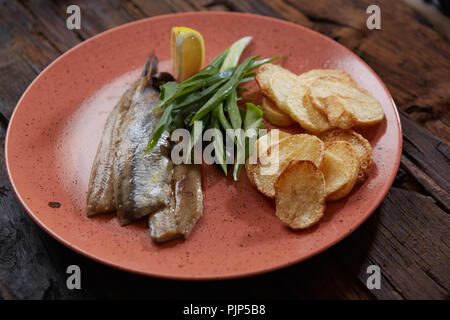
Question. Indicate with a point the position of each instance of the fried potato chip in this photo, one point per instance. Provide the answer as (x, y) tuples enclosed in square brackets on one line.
[(316, 121), (300, 106), (300, 195), (287, 91), (337, 114), (303, 112), (274, 115), (295, 147), (345, 105), (248, 170), (260, 148), (315, 74), (334, 172), (341, 193), (359, 143), (276, 82), (319, 99), (340, 176)]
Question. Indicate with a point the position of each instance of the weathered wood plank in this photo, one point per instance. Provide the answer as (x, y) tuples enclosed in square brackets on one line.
[(35, 33), (407, 237), (19, 29), (154, 8), (24, 51), (13, 66), (426, 151), (442, 196), (101, 15), (287, 11), (252, 6), (318, 278), (324, 277), (51, 24), (32, 265)]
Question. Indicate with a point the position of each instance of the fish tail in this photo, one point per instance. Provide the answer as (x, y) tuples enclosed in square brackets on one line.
[(154, 65), (146, 67), (151, 66)]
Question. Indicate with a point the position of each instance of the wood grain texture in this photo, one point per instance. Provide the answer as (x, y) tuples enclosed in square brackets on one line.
[(428, 152), (436, 191), (28, 268), (408, 238), (408, 234)]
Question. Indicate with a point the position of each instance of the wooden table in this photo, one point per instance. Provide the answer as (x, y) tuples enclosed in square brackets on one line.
[(408, 235)]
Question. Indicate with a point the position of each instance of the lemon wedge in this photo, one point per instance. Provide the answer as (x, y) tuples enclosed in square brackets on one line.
[(188, 52)]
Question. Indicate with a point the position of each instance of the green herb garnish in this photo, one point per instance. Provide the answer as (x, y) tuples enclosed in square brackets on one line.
[(211, 96)]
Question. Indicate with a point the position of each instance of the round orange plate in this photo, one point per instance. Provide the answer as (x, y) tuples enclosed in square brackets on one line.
[(56, 126)]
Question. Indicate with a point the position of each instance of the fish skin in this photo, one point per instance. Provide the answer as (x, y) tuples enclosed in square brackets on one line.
[(142, 182), (185, 209), (163, 224), (100, 196)]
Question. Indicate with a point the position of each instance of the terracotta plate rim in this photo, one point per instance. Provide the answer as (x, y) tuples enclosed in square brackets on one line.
[(373, 206)]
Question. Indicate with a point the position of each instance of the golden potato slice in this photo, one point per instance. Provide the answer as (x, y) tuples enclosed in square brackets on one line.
[(319, 99), (300, 195), (295, 147), (322, 118), (276, 82), (333, 107), (286, 90), (345, 105), (299, 105), (359, 143), (260, 147), (315, 74), (334, 172), (248, 170), (274, 115), (303, 112), (340, 176), (337, 114), (341, 193)]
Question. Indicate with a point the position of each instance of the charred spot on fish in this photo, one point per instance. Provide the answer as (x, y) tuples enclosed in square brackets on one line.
[(161, 78), (55, 205)]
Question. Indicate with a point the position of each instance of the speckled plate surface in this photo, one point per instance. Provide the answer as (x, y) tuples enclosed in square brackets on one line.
[(56, 126)]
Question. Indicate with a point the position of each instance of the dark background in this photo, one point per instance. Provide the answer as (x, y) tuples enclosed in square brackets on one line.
[(407, 236)]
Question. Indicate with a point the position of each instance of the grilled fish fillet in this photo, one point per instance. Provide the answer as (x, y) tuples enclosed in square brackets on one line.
[(185, 208), (143, 180), (100, 196)]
